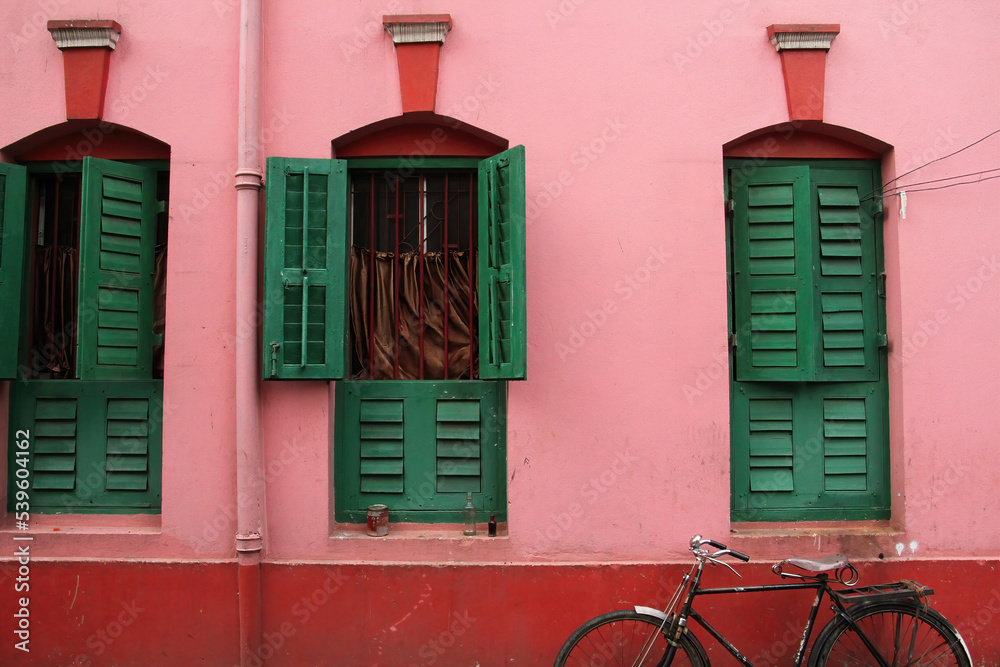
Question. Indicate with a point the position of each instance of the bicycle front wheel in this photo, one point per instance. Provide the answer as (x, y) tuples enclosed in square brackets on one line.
[(627, 638), (904, 634)]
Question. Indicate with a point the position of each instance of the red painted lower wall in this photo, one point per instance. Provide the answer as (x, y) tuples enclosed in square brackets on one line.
[(125, 613)]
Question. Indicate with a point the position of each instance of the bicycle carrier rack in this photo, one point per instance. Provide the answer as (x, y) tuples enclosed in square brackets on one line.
[(883, 592)]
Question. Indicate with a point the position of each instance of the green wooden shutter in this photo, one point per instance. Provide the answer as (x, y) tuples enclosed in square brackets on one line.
[(847, 331), (502, 288), (13, 197), (305, 270), (117, 247), (810, 450), (419, 447), (95, 445), (771, 253)]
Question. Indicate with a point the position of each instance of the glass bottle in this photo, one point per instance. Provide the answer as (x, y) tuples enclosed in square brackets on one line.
[(491, 527), (469, 515)]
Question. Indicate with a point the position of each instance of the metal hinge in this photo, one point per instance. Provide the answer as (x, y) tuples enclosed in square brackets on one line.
[(274, 359), (880, 284), (730, 206), (161, 207), (732, 341)]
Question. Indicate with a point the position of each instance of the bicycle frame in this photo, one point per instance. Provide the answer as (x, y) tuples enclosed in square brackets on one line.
[(819, 583), (821, 587)]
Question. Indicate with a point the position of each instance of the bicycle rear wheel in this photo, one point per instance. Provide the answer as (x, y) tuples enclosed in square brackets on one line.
[(905, 634), (620, 638)]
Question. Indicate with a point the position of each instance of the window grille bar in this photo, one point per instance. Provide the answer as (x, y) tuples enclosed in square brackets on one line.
[(472, 277), (56, 274), (395, 291), (447, 285), (371, 281), (422, 239)]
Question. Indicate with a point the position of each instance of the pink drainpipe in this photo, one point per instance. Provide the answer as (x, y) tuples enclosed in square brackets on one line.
[(249, 446)]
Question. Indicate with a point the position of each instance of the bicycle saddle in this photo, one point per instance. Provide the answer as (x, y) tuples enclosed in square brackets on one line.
[(817, 564)]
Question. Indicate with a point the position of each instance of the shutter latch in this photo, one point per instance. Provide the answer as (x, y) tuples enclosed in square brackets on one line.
[(274, 359)]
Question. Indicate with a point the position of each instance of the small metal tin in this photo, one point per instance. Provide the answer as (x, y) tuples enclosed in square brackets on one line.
[(378, 520)]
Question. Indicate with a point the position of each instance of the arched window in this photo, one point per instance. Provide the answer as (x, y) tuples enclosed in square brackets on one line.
[(398, 268), (82, 279), (807, 329)]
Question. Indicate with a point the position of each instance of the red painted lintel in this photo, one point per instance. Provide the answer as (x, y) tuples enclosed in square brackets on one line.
[(805, 82), (803, 65), (86, 73), (418, 75)]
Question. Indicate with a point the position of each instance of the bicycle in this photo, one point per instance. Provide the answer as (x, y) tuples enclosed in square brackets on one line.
[(888, 625)]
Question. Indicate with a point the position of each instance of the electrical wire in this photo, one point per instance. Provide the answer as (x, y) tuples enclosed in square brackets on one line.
[(943, 157), (941, 187), (908, 187)]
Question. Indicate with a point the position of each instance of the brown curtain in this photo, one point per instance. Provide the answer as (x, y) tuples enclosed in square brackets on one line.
[(54, 348), (389, 347), (159, 306)]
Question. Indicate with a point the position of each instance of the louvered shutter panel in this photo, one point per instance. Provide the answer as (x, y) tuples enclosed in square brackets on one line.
[(845, 277), (771, 450), (502, 310), (773, 300), (458, 464), (55, 443), (95, 445), (117, 246), (127, 444), (381, 445), (305, 269), (845, 444), (13, 197)]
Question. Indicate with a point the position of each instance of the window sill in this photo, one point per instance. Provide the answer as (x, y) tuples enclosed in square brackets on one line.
[(84, 524), (813, 529), (417, 531)]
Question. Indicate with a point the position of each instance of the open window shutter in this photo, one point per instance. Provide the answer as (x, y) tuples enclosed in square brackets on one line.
[(305, 269), (117, 246), (502, 311), (772, 281), (13, 196), (845, 294)]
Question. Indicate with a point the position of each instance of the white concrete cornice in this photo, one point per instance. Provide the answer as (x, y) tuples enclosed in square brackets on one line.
[(416, 31), (75, 37), (802, 40)]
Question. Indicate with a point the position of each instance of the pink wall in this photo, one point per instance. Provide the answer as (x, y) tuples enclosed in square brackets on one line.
[(624, 116)]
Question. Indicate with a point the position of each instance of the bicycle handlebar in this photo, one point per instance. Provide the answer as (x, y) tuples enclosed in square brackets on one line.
[(697, 542)]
